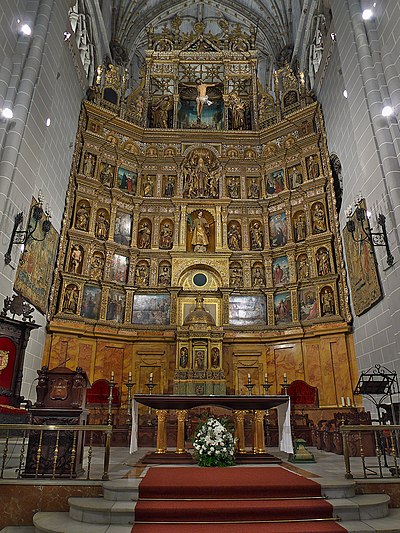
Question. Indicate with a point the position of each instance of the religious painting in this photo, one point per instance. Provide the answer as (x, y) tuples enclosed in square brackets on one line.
[(119, 268), (151, 309), (123, 228), (361, 264), (91, 300), (280, 271), (116, 306), (247, 310), (295, 176), (278, 230), (283, 307), (35, 269), (127, 180), (275, 182), (308, 304), (211, 107)]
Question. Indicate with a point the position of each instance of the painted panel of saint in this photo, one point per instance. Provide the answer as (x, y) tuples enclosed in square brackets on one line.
[(119, 268), (123, 228), (151, 309), (280, 271), (116, 306), (308, 304), (278, 230), (283, 307), (247, 310), (275, 182), (91, 302), (127, 180)]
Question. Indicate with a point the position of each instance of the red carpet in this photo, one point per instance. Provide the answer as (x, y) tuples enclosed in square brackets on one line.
[(230, 500)]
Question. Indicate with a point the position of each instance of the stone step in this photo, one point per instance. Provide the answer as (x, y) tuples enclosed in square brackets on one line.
[(336, 488), (45, 522), (121, 490), (101, 511), (362, 507)]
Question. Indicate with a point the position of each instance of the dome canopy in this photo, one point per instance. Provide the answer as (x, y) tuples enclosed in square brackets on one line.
[(199, 316)]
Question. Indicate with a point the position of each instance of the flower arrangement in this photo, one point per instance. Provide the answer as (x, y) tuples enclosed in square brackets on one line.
[(214, 444)]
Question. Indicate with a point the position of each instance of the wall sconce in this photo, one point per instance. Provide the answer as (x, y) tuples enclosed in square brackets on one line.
[(21, 237), (374, 238)]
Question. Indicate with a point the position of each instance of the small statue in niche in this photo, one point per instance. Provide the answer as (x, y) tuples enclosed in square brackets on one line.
[(142, 275), (82, 217), (256, 236), (97, 266), (313, 167), (75, 265), (169, 190), (159, 112), (148, 188), (303, 269), (236, 277), (254, 190), (183, 357), (166, 236), (318, 218), (212, 183), (238, 109), (199, 360), (234, 237), (70, 302), (102, 226), (88, 164), (295, 178), (107, 175), (327, 302), (215, 357), (299, 227), (164, 276), (144, 236), (323, 264), (258, 279), (200, 229), (233, 188)]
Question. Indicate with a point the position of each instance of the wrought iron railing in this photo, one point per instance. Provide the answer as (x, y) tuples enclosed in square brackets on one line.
[(382, 461), (53, 452)]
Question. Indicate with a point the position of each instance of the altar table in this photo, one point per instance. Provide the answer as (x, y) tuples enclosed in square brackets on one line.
[(162, 403)]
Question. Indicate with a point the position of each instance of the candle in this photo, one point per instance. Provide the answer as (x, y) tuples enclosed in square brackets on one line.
[(112, 375), (151, 377), (343, 404), (249, 378), (284, 377), (129, 376), (348, 402), (266, 377)]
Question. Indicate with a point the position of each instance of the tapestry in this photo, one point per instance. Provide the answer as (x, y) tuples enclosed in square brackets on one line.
[(35, 269), (364, 280)]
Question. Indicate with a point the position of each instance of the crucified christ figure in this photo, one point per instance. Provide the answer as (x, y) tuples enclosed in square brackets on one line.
[(202, 97)]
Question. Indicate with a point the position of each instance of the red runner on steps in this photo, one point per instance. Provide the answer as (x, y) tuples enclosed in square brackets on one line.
[(235, 499)]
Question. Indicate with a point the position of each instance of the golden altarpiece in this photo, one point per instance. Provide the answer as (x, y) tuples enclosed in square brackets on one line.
[(200, 241)]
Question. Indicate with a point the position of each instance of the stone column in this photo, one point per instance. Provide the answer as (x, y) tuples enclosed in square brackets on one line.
[(180, 437)]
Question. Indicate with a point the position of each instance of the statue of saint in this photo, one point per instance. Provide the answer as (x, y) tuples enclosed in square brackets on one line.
[(300, 228), (215, 357), (89, 164), (234, 188), (102, 226), (183, 357), (82, 217), (71, 296), (313, 168), (144, 236), (107, 175), (323, 264), (159, 112), (169, 187), (238, 108), (200, 229), (166, 236), (258, 277), (76, 259), (254, 190), (148, 188), (96, 266), (164, 276), (257, 237), (234, 237), (318, 219)]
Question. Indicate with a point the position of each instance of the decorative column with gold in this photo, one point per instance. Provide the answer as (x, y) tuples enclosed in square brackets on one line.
[(239, 430), (180, 437), (161, 430), (258, 432)]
